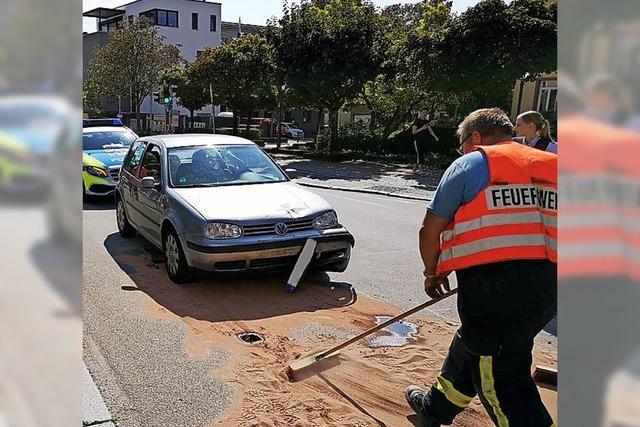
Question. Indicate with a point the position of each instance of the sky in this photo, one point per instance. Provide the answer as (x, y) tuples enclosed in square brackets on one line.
[(250, 11)]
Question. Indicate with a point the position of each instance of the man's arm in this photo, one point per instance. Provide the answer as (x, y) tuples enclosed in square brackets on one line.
[(433, 134), (432, 227)]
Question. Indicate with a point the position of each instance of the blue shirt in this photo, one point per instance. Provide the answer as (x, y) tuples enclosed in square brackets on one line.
[(460, 184)]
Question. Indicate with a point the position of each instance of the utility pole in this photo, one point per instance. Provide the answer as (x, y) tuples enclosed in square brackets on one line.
[(213, 112)]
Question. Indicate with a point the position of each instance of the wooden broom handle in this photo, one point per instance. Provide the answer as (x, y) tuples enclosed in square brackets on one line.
[(387, 323)]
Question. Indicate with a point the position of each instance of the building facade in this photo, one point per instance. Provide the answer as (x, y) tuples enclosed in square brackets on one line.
[(192, 25)]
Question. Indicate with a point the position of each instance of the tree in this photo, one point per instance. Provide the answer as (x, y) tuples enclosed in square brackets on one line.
[(326, 48), (131, 61), (396, 91), (241, 73), (483, 51), (192, 94)]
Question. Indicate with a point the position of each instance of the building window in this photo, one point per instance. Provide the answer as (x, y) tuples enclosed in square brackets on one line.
[(213, 23), (548, 96), (162, 17), (194, 21), (110, 25)]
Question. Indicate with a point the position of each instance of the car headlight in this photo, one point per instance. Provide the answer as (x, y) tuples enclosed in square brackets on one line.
[(326, 220), (220, 230), (96, 171)]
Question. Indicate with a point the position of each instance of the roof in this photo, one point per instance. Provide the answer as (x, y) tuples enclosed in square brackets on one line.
[(103, 13), (197, 1), (186, 140)]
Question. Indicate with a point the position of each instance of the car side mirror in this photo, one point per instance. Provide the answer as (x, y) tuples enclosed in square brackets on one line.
[(148, 182), (291, 173)]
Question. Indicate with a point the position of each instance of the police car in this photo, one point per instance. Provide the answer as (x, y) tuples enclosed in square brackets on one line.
[(105, 142)]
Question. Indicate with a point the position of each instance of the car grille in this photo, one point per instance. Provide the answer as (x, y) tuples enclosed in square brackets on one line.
[(266, 229), (114, 172), (273, 262)]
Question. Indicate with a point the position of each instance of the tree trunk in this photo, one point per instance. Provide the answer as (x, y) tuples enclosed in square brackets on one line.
[(374, 114), (248, 128), (235, 122), (191, 120), (333, 128), (319, 126)]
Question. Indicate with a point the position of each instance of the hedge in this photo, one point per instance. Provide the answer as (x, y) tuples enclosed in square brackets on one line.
[(357, 137), (401, 141)]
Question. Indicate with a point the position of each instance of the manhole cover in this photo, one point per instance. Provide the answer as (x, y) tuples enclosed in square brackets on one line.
[(250, 337)]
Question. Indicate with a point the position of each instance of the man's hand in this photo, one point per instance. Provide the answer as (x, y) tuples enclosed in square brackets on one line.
[(436, 286)]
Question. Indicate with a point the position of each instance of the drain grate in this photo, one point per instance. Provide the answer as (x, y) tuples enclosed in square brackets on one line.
[(250, 337)]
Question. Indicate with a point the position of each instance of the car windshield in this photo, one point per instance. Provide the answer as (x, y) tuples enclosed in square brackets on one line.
[(215, 165), (103, 140)]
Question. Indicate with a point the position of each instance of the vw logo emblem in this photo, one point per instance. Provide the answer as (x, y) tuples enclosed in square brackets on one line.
[(281, 229)]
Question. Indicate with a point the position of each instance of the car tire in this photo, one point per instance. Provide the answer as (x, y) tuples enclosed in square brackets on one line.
[(175, 262), (289, 135), (124, 226)]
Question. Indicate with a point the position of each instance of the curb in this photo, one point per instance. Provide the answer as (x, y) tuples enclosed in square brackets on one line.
[(94, 410), (365, 191)]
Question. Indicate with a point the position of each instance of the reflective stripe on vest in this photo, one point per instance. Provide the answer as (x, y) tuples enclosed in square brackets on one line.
[(502, 219), (514, 217)]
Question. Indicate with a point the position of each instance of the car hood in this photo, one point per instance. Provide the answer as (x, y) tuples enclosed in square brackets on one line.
[(109, 158), (254, 202)]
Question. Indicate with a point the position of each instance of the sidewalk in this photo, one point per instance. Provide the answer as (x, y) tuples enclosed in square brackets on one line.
[(391, 179)]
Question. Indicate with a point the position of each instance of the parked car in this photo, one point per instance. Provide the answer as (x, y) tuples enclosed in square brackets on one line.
[(103, 150), (218, 203), (30, 125), (291, 131)]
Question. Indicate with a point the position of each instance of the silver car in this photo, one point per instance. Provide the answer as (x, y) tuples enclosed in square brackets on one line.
[(219, 203)]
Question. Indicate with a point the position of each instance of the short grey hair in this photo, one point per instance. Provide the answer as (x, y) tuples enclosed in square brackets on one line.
[(490, 122)]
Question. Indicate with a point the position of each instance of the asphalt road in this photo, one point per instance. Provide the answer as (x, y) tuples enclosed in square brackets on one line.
[(138, 363)]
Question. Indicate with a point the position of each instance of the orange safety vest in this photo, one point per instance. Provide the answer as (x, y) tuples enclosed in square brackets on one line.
[(600, 200), (514, 217)]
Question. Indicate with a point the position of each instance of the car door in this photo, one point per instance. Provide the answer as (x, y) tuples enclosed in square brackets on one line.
[(149, 198), (130, 184)]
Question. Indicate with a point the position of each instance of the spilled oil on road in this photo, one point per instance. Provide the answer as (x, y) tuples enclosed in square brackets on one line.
[(363, 386)]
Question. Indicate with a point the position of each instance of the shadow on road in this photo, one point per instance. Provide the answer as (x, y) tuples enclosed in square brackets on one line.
[(98, 203), (355, 171), (219, 298)]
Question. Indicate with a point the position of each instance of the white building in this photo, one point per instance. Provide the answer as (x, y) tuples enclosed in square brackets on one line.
[(193, 25)]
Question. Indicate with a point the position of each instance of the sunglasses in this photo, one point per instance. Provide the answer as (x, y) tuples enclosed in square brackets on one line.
[(459, 149)]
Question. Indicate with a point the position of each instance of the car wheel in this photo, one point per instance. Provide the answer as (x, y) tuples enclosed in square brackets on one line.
[(124, 226), (175, 261), (289, 135)]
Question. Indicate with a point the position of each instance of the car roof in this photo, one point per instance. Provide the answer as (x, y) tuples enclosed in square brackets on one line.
[(97, 129), (186, 140)]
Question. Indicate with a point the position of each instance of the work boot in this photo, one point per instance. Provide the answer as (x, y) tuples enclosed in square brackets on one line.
[(415, 397)]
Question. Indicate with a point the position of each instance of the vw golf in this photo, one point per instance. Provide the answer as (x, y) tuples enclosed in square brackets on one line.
[(218, 203)]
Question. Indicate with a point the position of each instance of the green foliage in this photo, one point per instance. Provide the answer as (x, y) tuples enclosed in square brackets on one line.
[(241, 73), (131, 62), (192, 93), (254, 134), (324, 50), (483, 51)]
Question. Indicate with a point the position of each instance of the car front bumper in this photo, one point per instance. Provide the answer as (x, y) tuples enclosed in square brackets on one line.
[(333, 248), (96, 186)]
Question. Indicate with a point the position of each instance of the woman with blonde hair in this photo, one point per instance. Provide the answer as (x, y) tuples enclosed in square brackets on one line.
[(536, 131)]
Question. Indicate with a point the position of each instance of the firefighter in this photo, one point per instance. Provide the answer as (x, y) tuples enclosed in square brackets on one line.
[(493, 222)]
